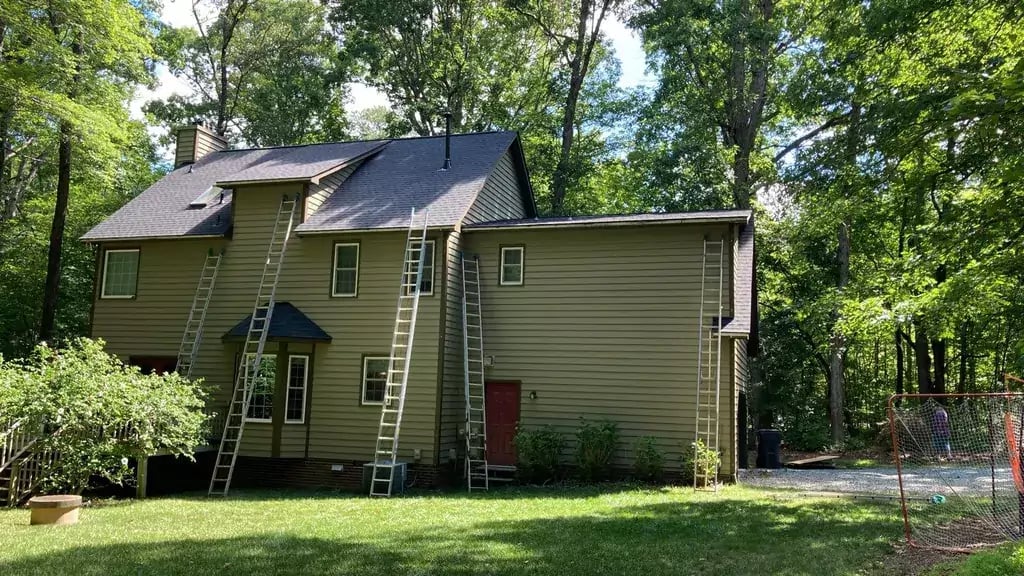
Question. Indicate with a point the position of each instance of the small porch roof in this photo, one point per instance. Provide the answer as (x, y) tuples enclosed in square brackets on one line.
[(287, 324)]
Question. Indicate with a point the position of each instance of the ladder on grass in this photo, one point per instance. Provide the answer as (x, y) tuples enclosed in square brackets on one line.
[(709, 351), (193, 336), (477, 473), (252, 351), (385, 455)]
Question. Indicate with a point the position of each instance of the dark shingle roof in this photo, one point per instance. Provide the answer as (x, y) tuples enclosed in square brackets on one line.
[(743, 291), (396, 176), (304, 162), (287, 323), (407, 174), (584, 221)]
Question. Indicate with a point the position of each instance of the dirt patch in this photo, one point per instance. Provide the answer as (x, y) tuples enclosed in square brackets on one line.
[(909, 561)]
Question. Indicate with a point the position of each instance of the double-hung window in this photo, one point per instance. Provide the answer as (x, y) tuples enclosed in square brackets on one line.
[(345, 276), (427, 280), (120, 273), (375, 379), (512, 266), (298, 376), (261, 403)]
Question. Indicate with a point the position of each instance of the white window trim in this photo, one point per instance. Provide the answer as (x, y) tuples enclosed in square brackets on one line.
[(106, 260), (334, 270), (362, 382), (260, 420), (288, 387), (522, 265), (433, 265)]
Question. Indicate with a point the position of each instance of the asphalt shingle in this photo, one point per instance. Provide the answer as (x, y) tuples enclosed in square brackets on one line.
[(407, 174), (287, 323), (304, 162), (743, 290)]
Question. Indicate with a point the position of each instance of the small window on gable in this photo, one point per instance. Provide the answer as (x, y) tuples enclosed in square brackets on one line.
[(345, 277), (298, 375), (512, 266), (427, 280), (375, 379), (120, 273)]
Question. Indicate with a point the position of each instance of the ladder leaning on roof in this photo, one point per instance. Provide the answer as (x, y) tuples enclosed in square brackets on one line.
[(477, 473), (385, 455), (193, 336), (252, 351), (709, 351)]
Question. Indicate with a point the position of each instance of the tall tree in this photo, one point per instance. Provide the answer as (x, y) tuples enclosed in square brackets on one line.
[(574, 27), (265, 72)]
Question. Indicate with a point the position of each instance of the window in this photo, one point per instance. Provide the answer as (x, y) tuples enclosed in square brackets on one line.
[(345, 279), (261, 404), (120, 273), (295, 404), (512, 266), (427, 280), (375, 379)]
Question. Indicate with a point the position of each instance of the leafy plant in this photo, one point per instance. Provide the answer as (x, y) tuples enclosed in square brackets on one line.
[(99, 412), (647, 458), (538, 451), (703, 461), (595, 448)]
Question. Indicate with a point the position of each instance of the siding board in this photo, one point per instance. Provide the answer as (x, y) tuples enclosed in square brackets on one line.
[(501, 197)]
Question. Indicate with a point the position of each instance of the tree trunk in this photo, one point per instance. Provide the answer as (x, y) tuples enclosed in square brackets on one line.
[(961, 382), (560, 181), (838, 345), (899, 364), (924, 361), (51, 289)]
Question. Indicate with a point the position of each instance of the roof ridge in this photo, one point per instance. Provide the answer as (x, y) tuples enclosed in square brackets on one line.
[(387, 140)]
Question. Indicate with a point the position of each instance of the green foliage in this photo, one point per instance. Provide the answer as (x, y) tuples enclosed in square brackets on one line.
[(595, 448), (648, 460), (700, 459), (538, 452), (285, 79), (99, 412), (1004, 561)]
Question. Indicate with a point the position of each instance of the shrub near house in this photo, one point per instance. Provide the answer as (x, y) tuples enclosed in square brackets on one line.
[(98, 412)]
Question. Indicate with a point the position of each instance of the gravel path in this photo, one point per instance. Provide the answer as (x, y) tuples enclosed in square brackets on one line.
[(923, 481)]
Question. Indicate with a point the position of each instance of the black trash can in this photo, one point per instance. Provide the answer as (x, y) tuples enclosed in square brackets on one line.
[(769, 449)]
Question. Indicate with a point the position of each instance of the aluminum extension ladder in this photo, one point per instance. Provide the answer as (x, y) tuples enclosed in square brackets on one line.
[(193, 336), (252, 352), (709, 352), (385, 455), (477, 473)]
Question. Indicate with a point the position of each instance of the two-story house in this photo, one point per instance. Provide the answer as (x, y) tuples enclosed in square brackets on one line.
[(582, 316)]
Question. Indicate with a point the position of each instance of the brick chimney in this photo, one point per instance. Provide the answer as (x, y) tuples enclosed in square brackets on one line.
[(194, 142)]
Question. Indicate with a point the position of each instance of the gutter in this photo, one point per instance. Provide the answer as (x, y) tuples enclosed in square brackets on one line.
[(612, 224)]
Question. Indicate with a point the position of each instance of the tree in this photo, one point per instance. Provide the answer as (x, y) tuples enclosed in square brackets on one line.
[(98, 412), (574, 29), (265, 72)]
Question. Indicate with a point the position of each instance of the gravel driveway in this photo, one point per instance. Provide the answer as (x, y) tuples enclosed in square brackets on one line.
[(923, 481)]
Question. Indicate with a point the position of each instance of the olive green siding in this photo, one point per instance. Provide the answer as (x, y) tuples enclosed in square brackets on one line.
[(453, 395), (318, 193), (339, 426), (185, 147), (605, 325), (500, 198)]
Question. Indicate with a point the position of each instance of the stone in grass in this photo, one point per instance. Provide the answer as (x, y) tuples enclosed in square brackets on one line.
[(59, 509)]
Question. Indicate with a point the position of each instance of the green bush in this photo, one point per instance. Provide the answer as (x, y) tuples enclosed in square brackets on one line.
[(538, 451), (698, 457), (99, 412), (807, 434), (595, 448), (648, 461)]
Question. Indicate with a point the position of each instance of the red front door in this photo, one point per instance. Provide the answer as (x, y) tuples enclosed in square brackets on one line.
[(502, 417)]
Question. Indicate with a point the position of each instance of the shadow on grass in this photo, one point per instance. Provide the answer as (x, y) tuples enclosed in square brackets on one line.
[(721, 537)]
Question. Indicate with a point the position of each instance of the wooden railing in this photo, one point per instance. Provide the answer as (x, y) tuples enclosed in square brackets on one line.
[(16, 438), (27, 473)]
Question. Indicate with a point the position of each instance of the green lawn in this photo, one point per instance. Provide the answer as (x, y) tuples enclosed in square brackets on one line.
[(564, 531)]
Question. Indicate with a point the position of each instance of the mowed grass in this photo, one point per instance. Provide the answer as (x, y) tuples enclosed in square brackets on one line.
[(557, 531)]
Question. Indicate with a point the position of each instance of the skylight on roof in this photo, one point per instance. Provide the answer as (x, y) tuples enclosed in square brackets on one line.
[(212, 195)]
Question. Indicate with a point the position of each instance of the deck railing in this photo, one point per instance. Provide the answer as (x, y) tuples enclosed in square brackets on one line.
[(16, 439)]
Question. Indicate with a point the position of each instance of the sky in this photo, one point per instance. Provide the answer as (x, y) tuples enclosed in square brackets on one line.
[(178, 13)]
